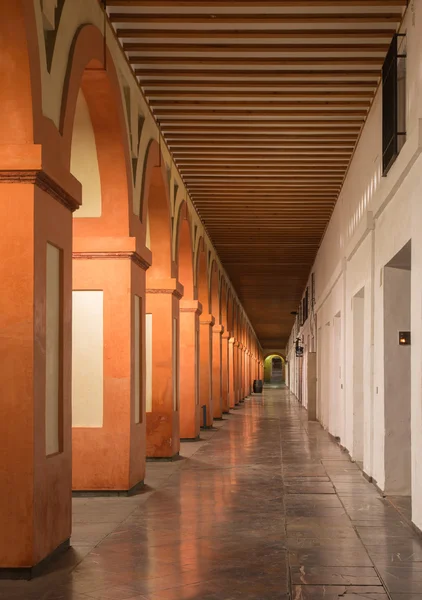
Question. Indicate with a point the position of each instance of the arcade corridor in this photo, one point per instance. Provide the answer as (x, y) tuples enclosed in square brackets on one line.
[(267, 504)]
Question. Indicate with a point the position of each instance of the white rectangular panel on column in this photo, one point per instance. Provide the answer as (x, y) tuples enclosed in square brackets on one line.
[(87, 358), (148, 373), (53, 350), (138, 346), (174, 365), (197, 366)]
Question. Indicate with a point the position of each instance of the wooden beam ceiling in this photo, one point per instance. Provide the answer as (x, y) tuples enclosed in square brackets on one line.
[(261, 103)]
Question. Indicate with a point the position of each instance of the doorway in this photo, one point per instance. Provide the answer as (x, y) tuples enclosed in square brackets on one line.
[(397, 370), (358, 307)]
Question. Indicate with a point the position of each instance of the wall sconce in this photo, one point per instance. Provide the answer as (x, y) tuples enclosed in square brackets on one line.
[(404, 338), (299, 349)]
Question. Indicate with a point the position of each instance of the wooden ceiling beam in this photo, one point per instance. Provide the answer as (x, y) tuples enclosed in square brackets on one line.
[(333, 155), (329, 162), (249, 104), (248, 125), (258, 136), (287, 74), (260, 112), (270, 198), (256, 48), (265, 63), (260, 186), (251, 34), (245, 95), (227, 144), (158, 88), (273, 19), (259, 5), (274, 128)]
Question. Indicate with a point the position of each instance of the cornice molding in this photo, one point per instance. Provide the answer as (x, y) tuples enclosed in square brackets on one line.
[(119, 255), (174, 292), (218, 329), (43, 182), (207, 320)]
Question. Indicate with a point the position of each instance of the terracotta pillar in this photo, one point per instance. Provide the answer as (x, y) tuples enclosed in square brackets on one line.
[(241, 372), (250, 378), (217, 395), (108, 433), (35, 356), (225, 371), (189, 369), (163, 429), (236, 372), (205, 365), (232, 381), (245, 373)]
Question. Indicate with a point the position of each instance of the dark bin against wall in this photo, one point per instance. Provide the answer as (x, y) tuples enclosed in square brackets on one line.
[(257, 386)]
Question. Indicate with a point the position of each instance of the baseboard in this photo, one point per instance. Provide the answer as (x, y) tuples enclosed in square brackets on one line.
[(38, 569), (195, 439), (108, 493)]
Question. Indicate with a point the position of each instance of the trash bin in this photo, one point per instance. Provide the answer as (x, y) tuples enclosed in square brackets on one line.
[(257, 386)]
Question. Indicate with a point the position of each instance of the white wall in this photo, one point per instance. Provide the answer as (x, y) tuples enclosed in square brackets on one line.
[(148, 357), (374, 218), (87, 358), (84, 161)]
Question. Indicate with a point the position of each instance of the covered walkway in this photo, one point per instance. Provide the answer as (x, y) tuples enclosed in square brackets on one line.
[(264, 506)]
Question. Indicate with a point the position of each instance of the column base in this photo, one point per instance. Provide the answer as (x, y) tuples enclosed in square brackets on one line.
[(108, 493), (195, 439), (31, 572), (165, 458)]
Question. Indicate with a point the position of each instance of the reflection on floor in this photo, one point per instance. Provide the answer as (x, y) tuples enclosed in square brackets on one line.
[(266, 507)]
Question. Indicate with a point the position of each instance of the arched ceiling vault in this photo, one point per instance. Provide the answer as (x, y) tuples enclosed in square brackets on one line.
[(261, 103)]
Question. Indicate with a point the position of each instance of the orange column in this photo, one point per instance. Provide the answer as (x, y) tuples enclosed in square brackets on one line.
[(246, 375), (240, 374), (250, 377), (205, 365), (232, 381), (110, 454), (236, 373), (35, 356), (225, 371), (189, 369), (217, 331), (163, 429)]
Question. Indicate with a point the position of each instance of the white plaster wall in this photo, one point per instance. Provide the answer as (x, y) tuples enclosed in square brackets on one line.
[(84, 161), (416, 347), (374, 218), (87, 358), (52, 350)]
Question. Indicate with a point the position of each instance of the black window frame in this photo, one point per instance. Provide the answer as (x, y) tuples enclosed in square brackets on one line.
[(390, 105)]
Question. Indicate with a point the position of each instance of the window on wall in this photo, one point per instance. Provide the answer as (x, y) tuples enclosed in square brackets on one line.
[(393, 102), (312, 291), (305, 306)]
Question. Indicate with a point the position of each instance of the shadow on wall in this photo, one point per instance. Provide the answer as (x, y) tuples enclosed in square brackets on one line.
[(274, 369)]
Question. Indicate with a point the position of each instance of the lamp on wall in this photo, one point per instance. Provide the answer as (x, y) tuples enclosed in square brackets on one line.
[(299, 348), (404, 338)]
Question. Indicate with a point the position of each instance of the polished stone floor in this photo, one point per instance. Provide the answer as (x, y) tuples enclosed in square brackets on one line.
[(266, 507)]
